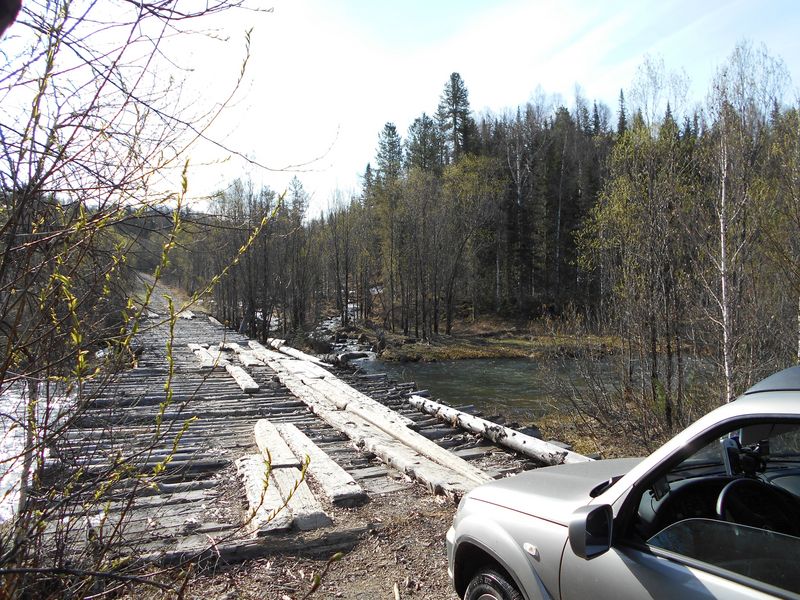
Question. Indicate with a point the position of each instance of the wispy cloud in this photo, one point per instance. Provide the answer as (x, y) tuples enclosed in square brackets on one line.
[(331, 74)]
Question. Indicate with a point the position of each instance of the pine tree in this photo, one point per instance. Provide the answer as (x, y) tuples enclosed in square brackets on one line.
[(622, 123), (453, 115), (424, 145), (597, 127), (368, 185), (390, 154)]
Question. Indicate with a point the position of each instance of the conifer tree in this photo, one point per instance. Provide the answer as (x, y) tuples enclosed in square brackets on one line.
[(622, 123), (390, 154), (454, 118), (424, 145)]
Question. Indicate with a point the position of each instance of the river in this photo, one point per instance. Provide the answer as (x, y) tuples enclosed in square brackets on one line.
[(518, 389)]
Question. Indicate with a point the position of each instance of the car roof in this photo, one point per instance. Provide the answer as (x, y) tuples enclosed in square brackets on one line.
[(782, 381)]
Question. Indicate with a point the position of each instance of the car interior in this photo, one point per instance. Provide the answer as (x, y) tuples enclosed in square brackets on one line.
[(733, 504)]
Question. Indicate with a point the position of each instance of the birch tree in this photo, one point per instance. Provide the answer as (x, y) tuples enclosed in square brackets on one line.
[(743, 92)]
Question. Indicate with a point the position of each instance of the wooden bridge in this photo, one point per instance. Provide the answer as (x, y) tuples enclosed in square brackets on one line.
[(258, 449)]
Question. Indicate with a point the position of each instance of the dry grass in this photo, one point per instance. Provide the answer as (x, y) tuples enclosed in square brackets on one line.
[(497, 345)]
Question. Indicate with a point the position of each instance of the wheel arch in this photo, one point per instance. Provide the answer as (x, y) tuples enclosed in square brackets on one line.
[(471, 557)]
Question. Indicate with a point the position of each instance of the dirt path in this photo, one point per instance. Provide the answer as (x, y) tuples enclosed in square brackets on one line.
[(406, 548)]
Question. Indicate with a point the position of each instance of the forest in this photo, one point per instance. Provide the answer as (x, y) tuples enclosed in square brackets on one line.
[(667, 226), (673, 230)]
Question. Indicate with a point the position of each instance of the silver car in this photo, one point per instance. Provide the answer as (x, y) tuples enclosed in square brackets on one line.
[(714, 513)]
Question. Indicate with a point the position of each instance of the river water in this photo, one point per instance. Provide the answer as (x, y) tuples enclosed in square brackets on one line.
[(518, 389)]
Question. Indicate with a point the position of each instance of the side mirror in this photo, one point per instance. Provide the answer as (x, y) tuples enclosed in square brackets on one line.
[(590, 530)]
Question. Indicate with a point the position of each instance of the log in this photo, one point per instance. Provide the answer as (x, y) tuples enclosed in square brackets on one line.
[(348, 398), (438, 479), (267, 511), (307, 512), (242, 379), (186, 314), (338, 485), (372, 429), (526, 445), (335, 390), (280, 346), (249, 359), (273, 447), (434, 476), (203, 550), (208, 360)]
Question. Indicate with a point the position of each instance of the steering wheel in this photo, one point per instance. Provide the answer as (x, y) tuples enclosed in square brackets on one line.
[(752, 502)]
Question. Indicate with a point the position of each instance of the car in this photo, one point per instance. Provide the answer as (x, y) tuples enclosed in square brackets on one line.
[(713, 513)]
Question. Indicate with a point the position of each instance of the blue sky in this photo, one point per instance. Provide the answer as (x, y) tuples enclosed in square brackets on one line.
[(326, 75)]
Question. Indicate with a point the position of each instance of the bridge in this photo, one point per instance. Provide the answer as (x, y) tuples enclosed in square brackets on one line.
[(261, 449)]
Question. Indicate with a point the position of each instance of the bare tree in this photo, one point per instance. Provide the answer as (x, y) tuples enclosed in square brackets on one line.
[(744, 91), (93, 133)]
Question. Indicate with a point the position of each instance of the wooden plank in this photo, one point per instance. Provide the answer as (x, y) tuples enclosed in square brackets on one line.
[(247, 356), (201, 548), (273, 447), (334, 389), (348, 398), (208, 359), (232, 346), (249, 359), (437, 478), (280, 346), (474, 452), (446, 474), (242, 379), (267, 511), (307, 511), (537, 449), (338, 485)]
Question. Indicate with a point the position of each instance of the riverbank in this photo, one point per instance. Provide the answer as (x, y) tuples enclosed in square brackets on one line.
[(488, 337)]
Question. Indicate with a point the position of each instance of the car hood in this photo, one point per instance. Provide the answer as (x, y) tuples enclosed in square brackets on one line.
[(552, 493)]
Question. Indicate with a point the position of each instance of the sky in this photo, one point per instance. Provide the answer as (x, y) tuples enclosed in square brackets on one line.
[(324, 76)]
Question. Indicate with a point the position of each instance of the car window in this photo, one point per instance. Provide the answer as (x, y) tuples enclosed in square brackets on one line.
[(785, 444), (733, 504), (706, 461), (761, 555)]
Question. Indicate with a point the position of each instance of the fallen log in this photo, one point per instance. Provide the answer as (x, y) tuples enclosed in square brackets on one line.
[(532, 447)]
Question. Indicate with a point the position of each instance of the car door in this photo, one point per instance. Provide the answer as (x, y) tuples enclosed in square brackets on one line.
[(669, 540), (630, 573)]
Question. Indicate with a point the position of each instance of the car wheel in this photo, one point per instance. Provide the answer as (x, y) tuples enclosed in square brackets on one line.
[(491, 585)]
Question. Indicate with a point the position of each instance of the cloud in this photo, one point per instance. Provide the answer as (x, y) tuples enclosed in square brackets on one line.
[(325, 77)]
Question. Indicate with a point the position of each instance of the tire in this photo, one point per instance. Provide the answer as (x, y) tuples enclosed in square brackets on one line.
[(489, 584)]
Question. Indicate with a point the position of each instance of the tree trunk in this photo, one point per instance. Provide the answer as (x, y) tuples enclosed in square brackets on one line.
[(727, 333)]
